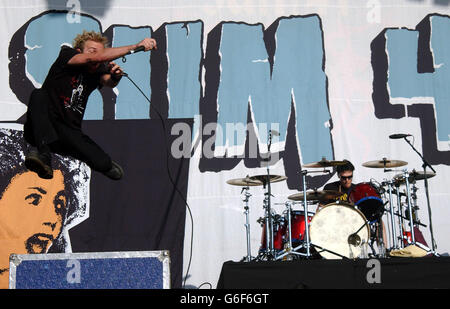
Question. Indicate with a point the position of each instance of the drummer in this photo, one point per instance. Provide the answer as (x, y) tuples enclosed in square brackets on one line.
[(344, 184)]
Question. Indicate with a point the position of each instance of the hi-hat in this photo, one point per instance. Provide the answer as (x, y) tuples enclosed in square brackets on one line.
[(384, 163), (258, 180), (324, 195), (413, 176), (324, 163)]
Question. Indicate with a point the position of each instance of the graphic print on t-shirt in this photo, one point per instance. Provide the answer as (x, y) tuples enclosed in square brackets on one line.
[(76, 101)]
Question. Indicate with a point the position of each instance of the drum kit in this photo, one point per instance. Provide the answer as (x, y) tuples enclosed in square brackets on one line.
[(348, 229)]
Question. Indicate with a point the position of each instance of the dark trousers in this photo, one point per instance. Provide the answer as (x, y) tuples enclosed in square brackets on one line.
[(46, 132)]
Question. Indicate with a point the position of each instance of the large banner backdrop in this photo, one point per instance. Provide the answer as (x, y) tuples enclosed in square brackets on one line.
[(334, 78)]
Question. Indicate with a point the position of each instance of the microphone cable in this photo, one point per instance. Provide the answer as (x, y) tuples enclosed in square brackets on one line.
[(168, 173)]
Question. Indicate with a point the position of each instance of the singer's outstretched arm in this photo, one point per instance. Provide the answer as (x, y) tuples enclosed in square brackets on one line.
[(94, 52)]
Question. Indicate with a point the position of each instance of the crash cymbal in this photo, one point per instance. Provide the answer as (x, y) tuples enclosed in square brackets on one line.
[(252, 181), (384, 163), (324, 195), (263, 178), (244, 182), (324, 163), (413, 176)]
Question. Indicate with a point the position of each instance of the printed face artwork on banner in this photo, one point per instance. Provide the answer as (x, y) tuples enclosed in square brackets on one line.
[(36, 213)]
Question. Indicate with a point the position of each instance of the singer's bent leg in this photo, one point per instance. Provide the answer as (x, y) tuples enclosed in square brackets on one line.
[(38, 129), (76, 144)]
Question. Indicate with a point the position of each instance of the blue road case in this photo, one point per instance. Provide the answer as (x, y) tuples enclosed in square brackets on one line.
[(102, 270)]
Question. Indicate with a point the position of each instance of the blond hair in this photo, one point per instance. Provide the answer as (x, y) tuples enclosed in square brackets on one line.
[(80, 39)]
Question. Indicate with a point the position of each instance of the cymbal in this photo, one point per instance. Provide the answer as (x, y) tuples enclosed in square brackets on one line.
[(324, 195), (413, 176), (384, 163), (244, 182), (252, 181), (324, 163), (263, 178)]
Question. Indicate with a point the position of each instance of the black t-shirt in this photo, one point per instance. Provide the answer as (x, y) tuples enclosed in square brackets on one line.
[(69, 87), (336, 186)]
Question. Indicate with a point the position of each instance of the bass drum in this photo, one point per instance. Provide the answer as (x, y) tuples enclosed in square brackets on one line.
[(331, 227)]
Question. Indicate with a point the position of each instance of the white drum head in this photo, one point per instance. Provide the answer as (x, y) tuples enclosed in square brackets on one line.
[(331, 227)]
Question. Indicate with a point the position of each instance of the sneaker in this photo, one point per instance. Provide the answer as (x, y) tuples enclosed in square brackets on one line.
[(115, 173), (40, 163)]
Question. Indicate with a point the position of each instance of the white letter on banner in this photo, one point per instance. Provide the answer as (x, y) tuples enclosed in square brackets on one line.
[(373, 275), (74, 274)]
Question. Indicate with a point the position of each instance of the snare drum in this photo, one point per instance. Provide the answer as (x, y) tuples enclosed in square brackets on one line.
[(331, 227), (367, 198)]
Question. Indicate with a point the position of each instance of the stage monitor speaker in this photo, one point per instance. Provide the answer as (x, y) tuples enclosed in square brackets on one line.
[(100, 270)]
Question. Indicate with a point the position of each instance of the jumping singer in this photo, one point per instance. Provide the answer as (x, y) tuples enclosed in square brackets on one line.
[(55, 111)]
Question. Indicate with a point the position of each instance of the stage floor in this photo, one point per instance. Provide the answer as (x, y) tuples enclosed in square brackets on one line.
[(390, 273)]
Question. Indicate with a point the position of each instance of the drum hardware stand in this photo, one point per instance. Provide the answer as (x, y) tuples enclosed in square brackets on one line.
[(305, 208), (270, 251), (306, 244), (410, 206), (267, 204), (290, 250), (416, 222), (399, 213), (391, 208), (424, 165), (247, 196), (401, 237)]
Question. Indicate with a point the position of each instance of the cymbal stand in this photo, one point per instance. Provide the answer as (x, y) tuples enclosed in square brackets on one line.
[(424, 165), (305, 208), (267, 205), (270, 251), (400, 216), (247, 196), (391, 208), (408, 196), (415, 207)]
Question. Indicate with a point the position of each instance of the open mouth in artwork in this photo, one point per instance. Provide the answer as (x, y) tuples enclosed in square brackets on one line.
[(38, 243)]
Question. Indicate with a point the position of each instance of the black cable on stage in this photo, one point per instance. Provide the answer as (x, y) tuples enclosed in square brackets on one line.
[(168, 173)]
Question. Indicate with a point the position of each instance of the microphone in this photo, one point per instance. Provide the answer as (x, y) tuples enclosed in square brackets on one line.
[(136, 50), (397, 136), (274, 132), (271, 132)]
